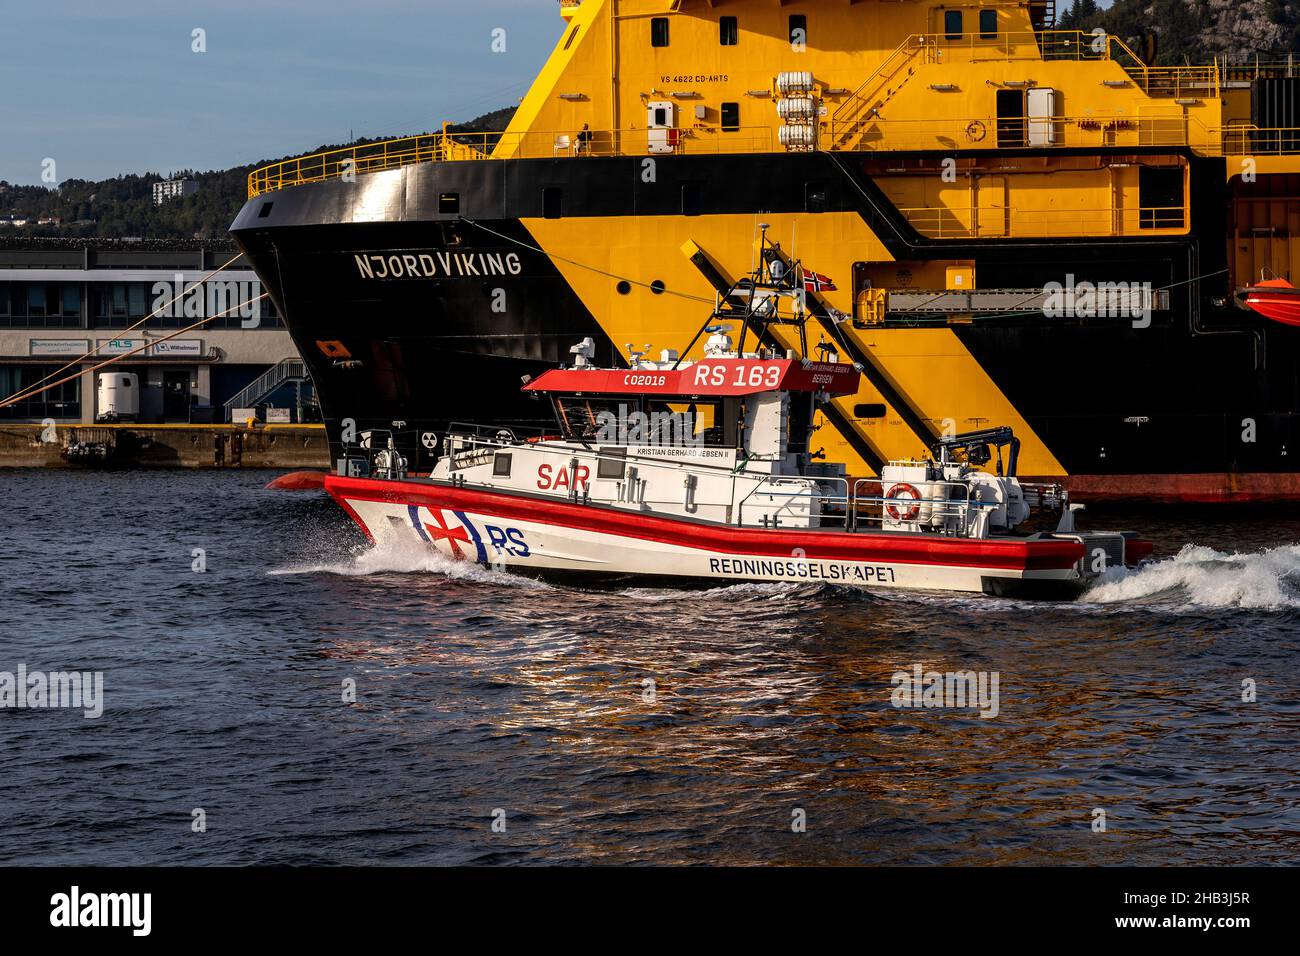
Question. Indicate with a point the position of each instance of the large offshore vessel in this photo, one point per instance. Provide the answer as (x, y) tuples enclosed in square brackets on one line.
[(1010, 224)]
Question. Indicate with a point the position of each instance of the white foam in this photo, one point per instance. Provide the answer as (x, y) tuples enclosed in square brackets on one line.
[(397, 555), (1203, 577)]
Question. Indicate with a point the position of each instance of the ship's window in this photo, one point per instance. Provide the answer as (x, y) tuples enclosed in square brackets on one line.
[(265, 210), (1160, 196), (661, 117), (988, 24), (612, 464), (731, 117), (501, 464), (691, 196), (552, 202), (4, 299), (868, 411), (659, 31), (952, 24), (798, 30), (814, 196), (727, 31), (623, 287), (657, 287), (449, 203)]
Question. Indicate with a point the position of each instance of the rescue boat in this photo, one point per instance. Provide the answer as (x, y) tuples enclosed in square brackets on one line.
[(669, 472), (1274, 299)]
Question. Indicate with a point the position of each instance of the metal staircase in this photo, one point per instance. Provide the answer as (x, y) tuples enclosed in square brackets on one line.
[(289, 370), (850, 121)]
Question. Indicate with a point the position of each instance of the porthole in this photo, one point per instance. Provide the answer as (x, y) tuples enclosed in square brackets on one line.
[(623, 287), (657, 287)]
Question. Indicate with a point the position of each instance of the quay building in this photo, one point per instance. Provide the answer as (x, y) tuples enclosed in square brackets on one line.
[(63, 299)]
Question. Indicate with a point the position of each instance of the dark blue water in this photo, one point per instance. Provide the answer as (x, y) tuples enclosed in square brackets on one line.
[(478, 692)]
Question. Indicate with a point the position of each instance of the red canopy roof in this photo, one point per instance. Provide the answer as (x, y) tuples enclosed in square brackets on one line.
[(731, 376)]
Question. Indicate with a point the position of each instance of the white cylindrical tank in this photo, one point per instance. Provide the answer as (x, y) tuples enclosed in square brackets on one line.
[(793, 82), (802, 134), (797, 109), (117, 396)]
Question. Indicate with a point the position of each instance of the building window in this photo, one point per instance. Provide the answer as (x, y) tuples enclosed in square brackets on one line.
[(659, 31), (552, 202), (731, 117), (61, 401), (988, 24), (798, 29), (952, 24), (728, 32), (71, 299), (449, 204)]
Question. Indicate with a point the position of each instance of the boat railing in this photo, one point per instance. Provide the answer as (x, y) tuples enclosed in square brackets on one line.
[(825, 509), (347, 162), (948, 508)]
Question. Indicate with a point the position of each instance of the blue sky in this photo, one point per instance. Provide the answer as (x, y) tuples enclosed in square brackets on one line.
[(112, 86)]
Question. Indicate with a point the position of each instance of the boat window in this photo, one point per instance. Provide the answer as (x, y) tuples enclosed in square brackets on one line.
[(552, 202), (612, 463), (952, 24), (693, 422), (691, 196), (584, 418), (798, 29), (731, 117), (727, 31), (1160, 196), (501, 464), (449, 203), (988, 24), (659, 31)]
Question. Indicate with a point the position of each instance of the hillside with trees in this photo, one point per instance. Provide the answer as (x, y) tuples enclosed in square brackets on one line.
[(1195, 31), (123, 206)]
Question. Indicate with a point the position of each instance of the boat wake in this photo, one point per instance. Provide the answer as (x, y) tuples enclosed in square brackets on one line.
[(1205, 578), (396, 556)]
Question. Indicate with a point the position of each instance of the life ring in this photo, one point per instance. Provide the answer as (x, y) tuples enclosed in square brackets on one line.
[(976, 131), (899, 491)]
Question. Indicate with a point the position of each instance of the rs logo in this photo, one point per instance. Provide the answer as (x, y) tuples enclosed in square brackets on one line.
[(507, 540)]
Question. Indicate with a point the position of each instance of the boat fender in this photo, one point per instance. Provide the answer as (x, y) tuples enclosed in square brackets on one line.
[(903, 490)]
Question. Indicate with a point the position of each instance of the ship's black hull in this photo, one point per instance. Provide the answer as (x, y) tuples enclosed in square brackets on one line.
[(429, 317)]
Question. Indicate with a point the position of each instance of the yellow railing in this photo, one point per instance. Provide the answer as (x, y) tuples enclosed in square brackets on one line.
[(997, 222), (446, 147), (870, 135)]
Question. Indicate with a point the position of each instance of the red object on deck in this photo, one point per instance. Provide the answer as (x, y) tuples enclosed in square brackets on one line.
[(300, 481), (1274, 299)]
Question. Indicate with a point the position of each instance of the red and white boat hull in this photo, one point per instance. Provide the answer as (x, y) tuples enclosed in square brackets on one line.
[(530, 533)]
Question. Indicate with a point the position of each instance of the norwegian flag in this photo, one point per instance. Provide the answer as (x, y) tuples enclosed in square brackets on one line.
[(816, 282)]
